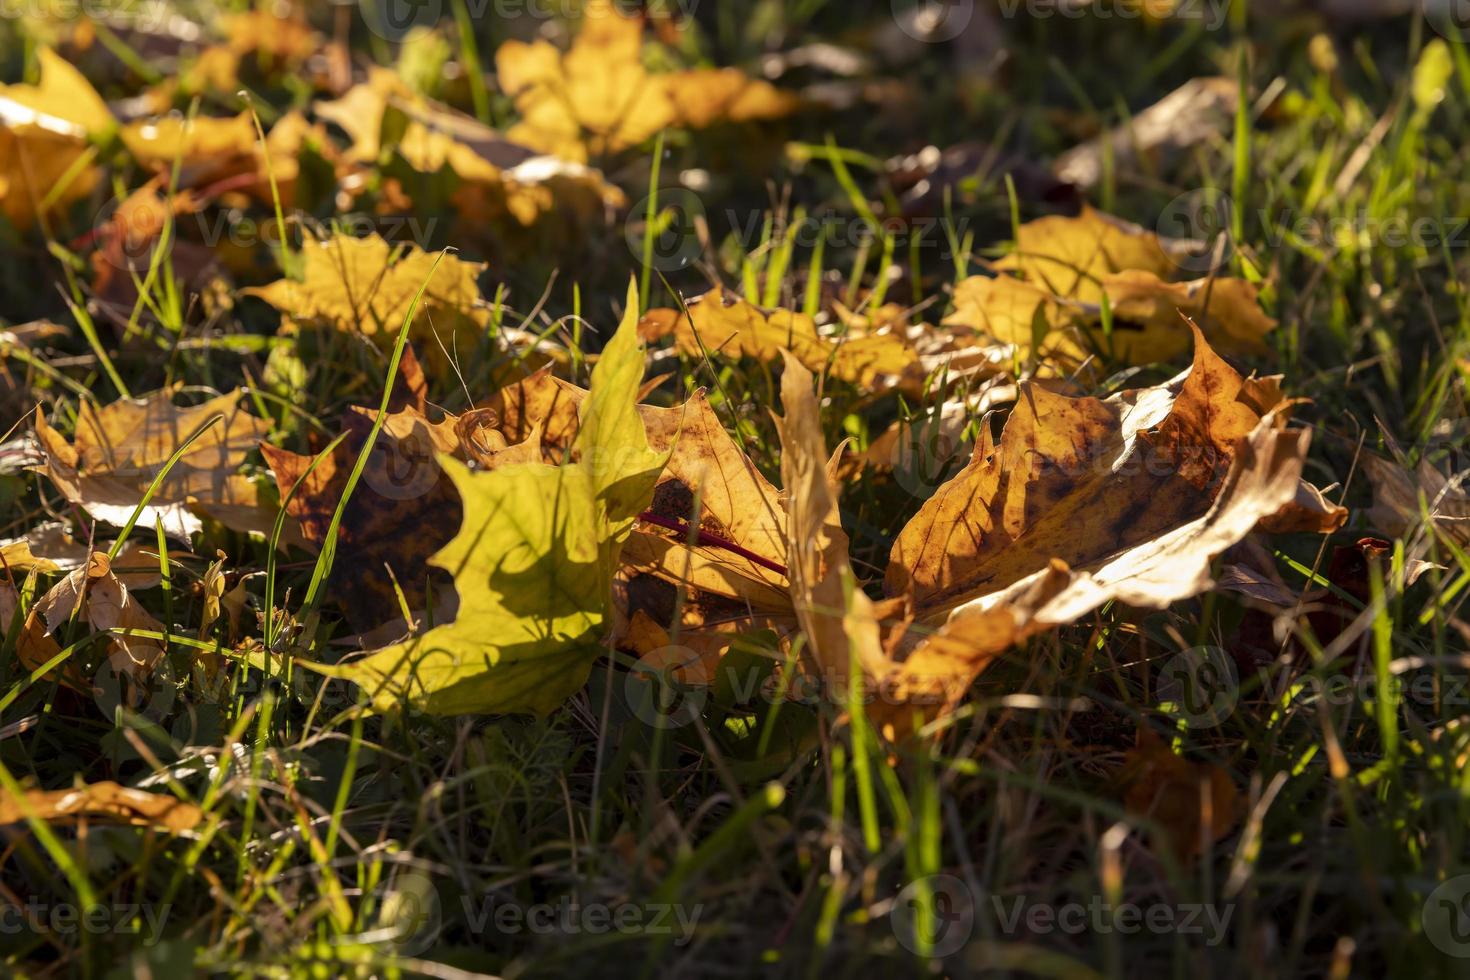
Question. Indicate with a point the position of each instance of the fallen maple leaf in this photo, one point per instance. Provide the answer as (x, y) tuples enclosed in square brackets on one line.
[(1070, 256), (94, 595), (598, 98), (207, 148), (722, 324), (495, 182), (1145, 487), (120, 449), (367, 286), (533, 564), (103, 802), (44, 133), (1148, 318), (1138, 493)]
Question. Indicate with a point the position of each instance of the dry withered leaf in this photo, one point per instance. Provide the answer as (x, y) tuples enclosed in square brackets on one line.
[(403, 510), (94, 595), (367, 286), (121, 448), (902, 686), (598, 98), (1199, 110), (1397, 492), (1148, 318), (1195, 803), (1142, 490), (723, 324), (102, 802)]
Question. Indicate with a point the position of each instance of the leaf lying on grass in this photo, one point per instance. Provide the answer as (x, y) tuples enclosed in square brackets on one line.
[(1070, 256), (533, 565), (1081, 502), (367, 286), (721, 324), (598, 98), (1148, 318), (94, 595), (1145, 487), (120, 449), (494, 182), (104, 802), (1397, 495)]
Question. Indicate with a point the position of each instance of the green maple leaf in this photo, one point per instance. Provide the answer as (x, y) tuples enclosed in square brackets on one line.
[(533, 564)]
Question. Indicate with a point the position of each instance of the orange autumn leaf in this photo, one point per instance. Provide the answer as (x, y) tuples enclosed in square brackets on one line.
[(103, 802)]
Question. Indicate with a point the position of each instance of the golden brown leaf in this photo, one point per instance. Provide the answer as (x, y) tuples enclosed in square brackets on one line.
[(367, 286), (598, 98), (1148, 318), (1141, 490), (1069, 257), (723, 324), (121, 448), (104, 802)]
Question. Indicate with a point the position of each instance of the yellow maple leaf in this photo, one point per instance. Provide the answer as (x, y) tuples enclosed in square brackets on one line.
[(44, 133), (723, 324), (599, 98), (533, 564), (1148, 318), (1069, 256), (368, 286)]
